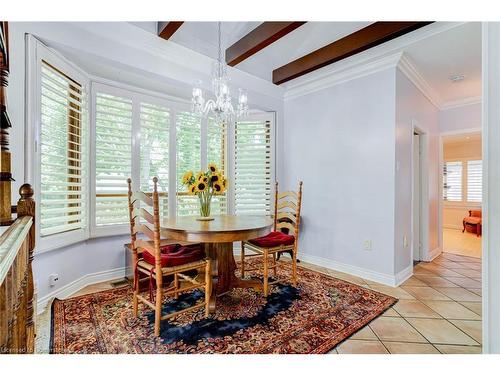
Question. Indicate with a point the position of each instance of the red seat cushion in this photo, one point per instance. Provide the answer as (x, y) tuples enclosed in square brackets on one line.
[(273, 239), (176, 255)]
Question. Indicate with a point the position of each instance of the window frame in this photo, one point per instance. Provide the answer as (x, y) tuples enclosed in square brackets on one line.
[(463, 203), (36, 54)]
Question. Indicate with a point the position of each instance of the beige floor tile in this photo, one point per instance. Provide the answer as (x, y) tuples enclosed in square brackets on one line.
[(394, 292), (470, 327), (413, 281), (456, 242), (361, 347), (465, 282), (468, 273), (395, 329), (423, 271), (477, 291), (425, 293), (440, 331), (452, 310), (415, 309), (434, 281), (443, 272), (474, 306), (459, 349), (391, 312), (471, 266), (460, 294), (365, 333), (410, 348)]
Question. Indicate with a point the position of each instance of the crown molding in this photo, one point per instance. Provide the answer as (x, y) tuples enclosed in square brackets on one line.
[(462, 102), (411, 72), (368, 62)]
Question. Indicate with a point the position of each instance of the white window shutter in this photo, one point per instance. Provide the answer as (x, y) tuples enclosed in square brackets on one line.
[(452, 181), (474, 180), (188, 158), (252, 167), (113, 144), (216, 153), (63, 153)]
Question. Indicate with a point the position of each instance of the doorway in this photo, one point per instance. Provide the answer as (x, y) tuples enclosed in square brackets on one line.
[(417, 195)]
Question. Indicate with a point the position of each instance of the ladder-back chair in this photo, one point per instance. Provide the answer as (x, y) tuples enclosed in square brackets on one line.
[(283, 238), (154, 258)]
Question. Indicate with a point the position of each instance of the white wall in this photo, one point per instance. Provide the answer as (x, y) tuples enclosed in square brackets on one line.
[(122, 52), (491, 183), (413, 107), (460, 118), (340, 142)]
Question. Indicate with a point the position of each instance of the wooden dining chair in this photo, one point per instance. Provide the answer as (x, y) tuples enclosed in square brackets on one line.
[(161, 258), (283, 238)]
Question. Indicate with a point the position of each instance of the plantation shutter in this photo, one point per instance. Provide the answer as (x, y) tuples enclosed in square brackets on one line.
[(155, 125), (474, 180), (216, 153), (252, 181), (188, 158), (63, 153), (452, 181), (113, 146)]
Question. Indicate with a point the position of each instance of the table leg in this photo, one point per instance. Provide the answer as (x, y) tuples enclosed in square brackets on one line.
[(223, 272)]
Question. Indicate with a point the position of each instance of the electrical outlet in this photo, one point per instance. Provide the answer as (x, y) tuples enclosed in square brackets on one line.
[(53, 279), (367, 244)]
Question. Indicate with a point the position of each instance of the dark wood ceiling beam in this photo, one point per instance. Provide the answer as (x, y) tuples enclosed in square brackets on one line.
[(169, 29), (257, 39), (359, 41)]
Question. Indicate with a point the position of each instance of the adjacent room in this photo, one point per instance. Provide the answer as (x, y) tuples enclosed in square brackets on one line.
[(264, 187)]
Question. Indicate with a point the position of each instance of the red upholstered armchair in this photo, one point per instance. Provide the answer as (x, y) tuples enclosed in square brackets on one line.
[(473, 222)]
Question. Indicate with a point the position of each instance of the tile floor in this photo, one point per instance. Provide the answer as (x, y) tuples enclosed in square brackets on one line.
[(456, 242), (439, 311)]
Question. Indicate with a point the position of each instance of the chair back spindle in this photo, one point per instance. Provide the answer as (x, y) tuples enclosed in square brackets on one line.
[(287, 210)]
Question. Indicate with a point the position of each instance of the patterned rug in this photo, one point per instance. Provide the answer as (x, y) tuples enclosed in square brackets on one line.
[(312, 318)]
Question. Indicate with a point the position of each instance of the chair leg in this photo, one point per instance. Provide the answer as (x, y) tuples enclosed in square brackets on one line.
[(176, 285), (463, 222), (159, 295), (294, 268), (208, 287), (135, 301), (266, 271), (274, 265), (242, 260), (478, 229)]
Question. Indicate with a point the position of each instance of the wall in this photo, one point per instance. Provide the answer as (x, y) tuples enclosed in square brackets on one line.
[(127, 54), (491, 180), (413, 108), (453, 213), (460, 118), (340, 142)]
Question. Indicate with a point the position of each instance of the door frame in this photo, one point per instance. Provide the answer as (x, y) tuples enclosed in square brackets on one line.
[(424, 191)]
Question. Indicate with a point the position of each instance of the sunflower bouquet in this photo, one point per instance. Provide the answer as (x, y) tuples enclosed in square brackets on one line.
[(205, 185)]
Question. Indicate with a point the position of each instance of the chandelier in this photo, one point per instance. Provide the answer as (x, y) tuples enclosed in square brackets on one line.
[(221, 108)]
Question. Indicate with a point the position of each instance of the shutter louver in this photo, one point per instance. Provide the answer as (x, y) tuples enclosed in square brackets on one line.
[(155, 125), (216, 153), (63, 153), (474, 180), (188, 158), (452, 181), (113, 119), (252, 183)]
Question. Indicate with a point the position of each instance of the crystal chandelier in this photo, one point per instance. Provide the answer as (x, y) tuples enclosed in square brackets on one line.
[(221, 108)]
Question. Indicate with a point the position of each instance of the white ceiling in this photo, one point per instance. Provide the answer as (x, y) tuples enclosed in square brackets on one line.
[(464, 138), (455, 51)]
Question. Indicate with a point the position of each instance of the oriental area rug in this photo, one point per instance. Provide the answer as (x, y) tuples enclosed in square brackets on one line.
[(312, 318)]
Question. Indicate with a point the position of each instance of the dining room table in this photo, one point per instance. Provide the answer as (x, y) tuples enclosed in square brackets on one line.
[(218, 236)]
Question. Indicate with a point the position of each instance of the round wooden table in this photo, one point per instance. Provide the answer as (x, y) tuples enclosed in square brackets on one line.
[(218, 236)]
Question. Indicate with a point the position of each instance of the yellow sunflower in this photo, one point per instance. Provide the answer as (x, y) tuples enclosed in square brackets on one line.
[(192, 189), (218, 188), (187, 177), (199, 175), (224, 183), (216, 177), (200, 186), (212, 167)]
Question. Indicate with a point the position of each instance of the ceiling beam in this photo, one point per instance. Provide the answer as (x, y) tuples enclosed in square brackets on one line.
[(359, 41), (169, 29), (257, 39)]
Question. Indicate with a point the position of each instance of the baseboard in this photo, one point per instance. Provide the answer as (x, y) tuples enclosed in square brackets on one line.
[(78, 284), (433, 254), (404, 275), (364, 273)]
